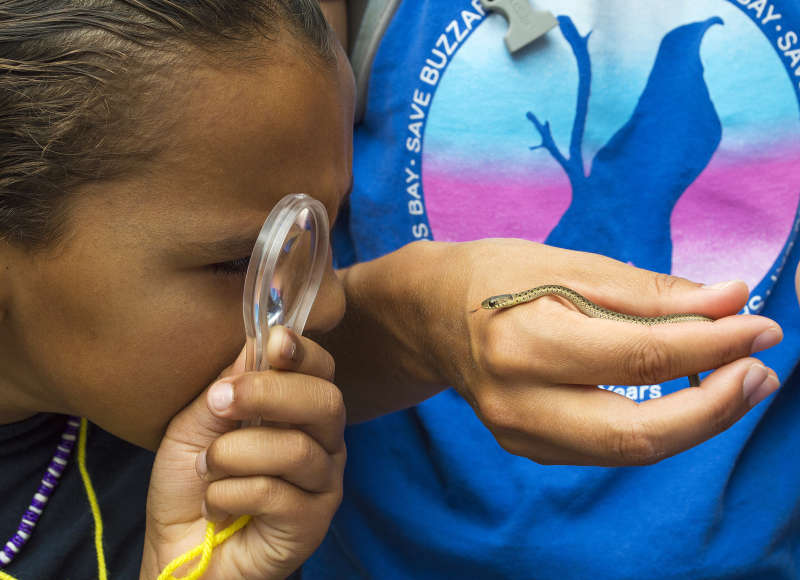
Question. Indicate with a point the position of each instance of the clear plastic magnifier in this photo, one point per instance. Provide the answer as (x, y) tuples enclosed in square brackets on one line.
[(285, 272)]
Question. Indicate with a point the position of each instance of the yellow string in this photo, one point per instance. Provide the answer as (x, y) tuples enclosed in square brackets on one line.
[(210, 542), (204, 550), (93, 504)]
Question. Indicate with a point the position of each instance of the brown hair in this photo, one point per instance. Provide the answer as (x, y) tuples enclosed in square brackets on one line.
[(79, 84)]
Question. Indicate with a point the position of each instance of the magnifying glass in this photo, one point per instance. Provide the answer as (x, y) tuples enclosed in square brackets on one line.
[(285, 272)]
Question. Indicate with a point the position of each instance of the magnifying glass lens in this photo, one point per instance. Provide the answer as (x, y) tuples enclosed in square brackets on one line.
[(285, 272)]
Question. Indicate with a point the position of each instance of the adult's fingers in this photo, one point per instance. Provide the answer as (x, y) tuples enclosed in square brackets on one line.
[(310, 403), (583, 350), (626, 288), (584, 425), (689, 416), (290, 454)]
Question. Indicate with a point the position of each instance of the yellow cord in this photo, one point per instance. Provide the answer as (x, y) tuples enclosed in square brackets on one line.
[(204, 550), (93, 504)]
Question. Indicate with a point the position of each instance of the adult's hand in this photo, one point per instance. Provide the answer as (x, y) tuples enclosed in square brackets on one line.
[(530, 372), (797, 283)]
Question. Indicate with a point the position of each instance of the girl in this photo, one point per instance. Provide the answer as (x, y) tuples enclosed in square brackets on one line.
[(144, 143)]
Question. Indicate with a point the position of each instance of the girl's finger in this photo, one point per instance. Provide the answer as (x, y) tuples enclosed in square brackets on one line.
[(288, 351), (289, 454), (285, 504), (311, 404)]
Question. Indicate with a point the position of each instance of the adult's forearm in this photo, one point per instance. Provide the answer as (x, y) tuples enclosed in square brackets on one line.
[(384, 359), (414, 325)]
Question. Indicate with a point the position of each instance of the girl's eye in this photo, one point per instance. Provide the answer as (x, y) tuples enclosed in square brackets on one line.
[(234, 267)]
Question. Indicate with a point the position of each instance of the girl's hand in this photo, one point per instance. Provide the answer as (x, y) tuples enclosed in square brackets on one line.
[(286, 473)]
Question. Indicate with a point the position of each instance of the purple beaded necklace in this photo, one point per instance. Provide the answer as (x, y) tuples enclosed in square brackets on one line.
[(48, 484)]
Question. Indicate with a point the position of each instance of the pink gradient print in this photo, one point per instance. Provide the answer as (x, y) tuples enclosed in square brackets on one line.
[(730, 223), (467, 202), (734, 219)]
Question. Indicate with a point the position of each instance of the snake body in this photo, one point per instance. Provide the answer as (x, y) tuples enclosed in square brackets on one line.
[(590, 309)]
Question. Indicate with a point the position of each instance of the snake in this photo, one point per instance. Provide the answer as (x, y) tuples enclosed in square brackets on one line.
[(589, 308)]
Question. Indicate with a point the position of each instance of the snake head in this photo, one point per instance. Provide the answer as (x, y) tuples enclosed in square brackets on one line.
[(494, 302)]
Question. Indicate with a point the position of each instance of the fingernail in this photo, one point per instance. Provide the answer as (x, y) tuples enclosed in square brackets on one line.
[(288, 346), (758, 384), (200, 465), (220, 396), (720, 285), (765, 340), (215, 518)]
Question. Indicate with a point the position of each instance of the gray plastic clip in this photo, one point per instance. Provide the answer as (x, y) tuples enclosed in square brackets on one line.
[(524, 23)]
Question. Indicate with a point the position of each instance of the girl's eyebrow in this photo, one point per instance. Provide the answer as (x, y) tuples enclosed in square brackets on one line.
[(233, 246), (236, 245)]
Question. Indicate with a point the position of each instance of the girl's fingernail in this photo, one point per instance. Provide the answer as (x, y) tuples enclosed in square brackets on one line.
[(720, 285), (200, 465), (215, 517), (220, 396), (288, 346), (758, 384), (765, 340)]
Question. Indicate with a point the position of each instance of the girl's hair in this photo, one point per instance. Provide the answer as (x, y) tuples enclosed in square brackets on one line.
[(82, 82)]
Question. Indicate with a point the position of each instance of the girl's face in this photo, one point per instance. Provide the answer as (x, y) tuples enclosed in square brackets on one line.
[(140, 308)]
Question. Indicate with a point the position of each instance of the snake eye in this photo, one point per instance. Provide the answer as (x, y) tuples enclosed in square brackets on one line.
[(495, 301)]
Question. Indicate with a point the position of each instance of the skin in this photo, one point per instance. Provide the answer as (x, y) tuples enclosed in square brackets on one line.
[(126, 322), (286, 474), (335, 12), (530, 372)]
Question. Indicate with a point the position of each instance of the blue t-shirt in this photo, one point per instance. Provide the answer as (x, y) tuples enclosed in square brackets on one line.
[(665, 134)]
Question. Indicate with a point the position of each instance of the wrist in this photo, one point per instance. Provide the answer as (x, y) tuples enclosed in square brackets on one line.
[(384, 358), (148, 572), (149, 569), (404, 293)]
